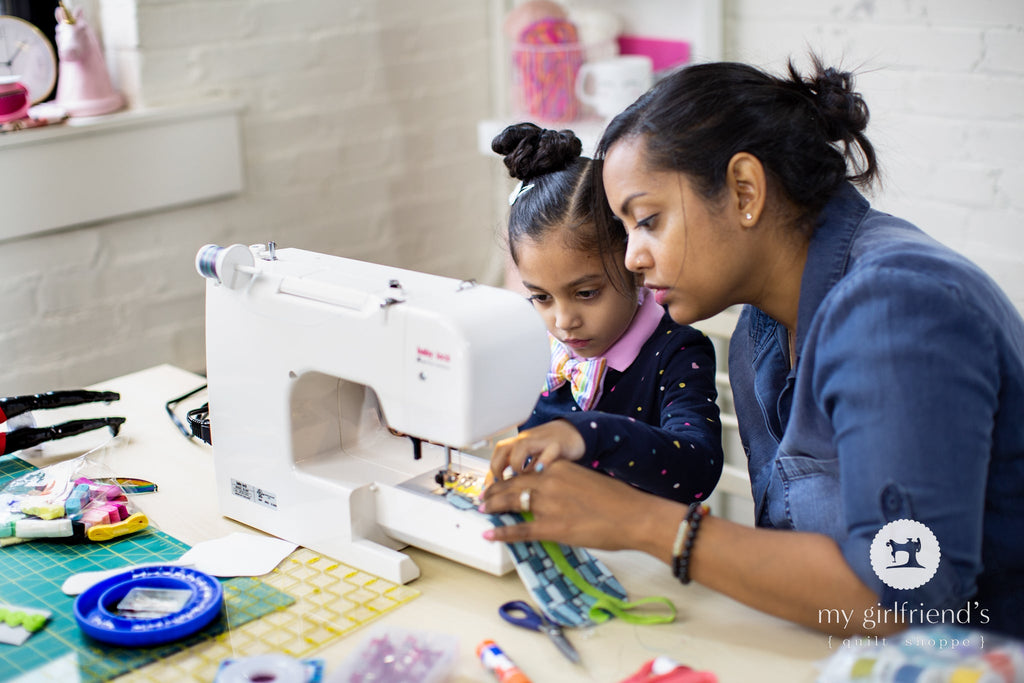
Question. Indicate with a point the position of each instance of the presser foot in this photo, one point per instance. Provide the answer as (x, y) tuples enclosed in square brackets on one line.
[(468, 485)]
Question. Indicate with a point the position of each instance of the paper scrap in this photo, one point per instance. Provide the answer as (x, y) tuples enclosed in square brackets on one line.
[(238, 554)]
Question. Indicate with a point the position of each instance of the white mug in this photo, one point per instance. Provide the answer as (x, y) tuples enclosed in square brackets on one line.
[(611, 85)]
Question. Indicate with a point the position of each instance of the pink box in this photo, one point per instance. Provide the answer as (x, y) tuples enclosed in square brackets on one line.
[(665, 54)]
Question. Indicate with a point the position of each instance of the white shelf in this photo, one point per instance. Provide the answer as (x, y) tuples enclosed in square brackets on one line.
[(94, 169)]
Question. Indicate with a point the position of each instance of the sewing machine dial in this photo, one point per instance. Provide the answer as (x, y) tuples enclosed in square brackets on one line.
[(26, 53)]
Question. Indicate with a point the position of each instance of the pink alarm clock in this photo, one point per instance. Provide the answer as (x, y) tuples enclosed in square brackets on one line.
[(14, 99)]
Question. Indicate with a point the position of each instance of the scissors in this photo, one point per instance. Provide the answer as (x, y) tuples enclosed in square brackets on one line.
[(521, 614)]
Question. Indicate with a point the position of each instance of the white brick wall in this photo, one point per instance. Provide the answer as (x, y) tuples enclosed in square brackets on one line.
[(944, 81), (359, 140)]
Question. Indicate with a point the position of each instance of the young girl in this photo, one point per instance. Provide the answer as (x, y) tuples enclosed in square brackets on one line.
[(630, 392)]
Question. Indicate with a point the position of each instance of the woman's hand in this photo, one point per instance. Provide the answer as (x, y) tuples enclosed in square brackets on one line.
[(581, 507), (537, 448)]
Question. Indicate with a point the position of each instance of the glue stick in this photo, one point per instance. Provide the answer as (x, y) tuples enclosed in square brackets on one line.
[(498, 663)]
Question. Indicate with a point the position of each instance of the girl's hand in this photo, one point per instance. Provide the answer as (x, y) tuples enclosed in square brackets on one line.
[(537, 448), (582, 507)]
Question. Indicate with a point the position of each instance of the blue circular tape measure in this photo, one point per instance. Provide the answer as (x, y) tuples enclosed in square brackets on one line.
[(97, 616)]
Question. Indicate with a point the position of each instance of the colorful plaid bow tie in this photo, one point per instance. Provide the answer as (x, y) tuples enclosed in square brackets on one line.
[(584, 375)]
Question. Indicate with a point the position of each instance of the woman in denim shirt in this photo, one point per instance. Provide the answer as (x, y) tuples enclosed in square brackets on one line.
[(878, 376)]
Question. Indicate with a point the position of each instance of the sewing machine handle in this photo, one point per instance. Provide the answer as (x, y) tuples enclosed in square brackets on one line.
[(335, 295)]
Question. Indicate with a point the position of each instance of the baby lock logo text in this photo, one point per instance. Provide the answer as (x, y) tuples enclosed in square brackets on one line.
[(905, 555)]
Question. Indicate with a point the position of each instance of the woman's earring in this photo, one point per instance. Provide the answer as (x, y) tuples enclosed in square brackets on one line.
[(749, 217)]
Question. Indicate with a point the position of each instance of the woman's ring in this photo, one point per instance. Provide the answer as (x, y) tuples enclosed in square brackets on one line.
[(524, 500)]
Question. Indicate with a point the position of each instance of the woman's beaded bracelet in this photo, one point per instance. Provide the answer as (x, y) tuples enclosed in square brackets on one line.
[(683, 545), (677, 545)]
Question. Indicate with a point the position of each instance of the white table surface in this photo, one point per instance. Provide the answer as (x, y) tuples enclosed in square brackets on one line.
[(711, 631)]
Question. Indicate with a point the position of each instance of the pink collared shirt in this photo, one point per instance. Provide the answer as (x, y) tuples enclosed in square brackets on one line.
[(623, 352)]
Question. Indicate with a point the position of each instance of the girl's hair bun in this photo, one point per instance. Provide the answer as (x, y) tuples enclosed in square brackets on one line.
[(530, 150)]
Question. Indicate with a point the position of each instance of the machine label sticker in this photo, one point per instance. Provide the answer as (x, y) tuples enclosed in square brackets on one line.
[(905, 554), (251, 493), (242, 490), (266, 498)]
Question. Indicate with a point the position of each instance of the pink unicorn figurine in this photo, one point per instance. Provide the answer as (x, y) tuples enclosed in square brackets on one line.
[(84, 87)]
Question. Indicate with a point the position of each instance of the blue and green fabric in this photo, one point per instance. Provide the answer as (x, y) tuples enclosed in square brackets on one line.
[(573, 587)]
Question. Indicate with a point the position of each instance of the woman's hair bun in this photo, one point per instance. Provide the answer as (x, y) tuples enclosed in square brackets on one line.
[(530, 150), (842, 110)]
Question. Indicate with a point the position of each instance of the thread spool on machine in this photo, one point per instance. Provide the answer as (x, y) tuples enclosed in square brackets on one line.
[(231, 266)]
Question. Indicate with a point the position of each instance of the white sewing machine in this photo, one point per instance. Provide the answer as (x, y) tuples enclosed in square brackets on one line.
[(312, 358)]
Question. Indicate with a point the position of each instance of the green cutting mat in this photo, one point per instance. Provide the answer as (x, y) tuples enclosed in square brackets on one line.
[(325, 599), (31, 575)]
